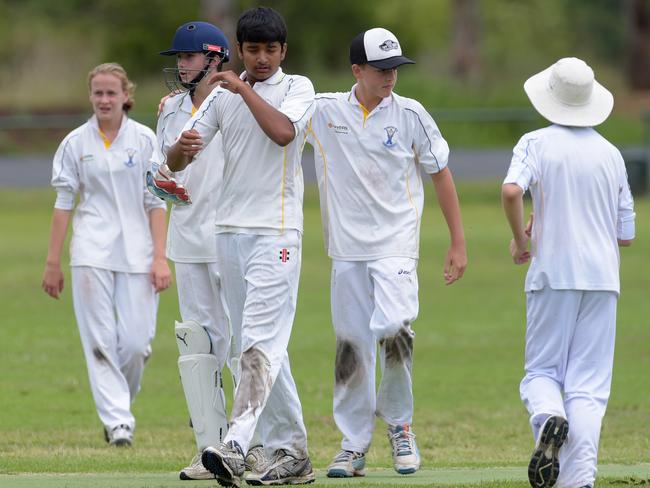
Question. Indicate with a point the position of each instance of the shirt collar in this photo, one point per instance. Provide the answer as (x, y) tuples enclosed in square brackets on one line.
[(186, 103), (274, 79), (94, 123), (352, 98)]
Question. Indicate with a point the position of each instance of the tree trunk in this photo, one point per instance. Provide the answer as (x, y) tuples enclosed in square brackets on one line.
[(466, 61), (220, 13), (639, 57)]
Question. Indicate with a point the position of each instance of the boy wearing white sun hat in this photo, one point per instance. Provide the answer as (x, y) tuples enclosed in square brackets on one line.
[(583, 210)]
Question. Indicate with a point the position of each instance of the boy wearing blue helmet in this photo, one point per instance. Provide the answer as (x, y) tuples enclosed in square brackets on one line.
[(204, 337)]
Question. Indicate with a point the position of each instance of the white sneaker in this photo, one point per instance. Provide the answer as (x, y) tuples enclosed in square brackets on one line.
[(196, 470), (347, 464), (120, 435), (256, 460), (406, 457), (284, 469), (226, 462)]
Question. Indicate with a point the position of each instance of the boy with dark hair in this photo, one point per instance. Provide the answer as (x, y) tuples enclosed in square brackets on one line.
[(583, 211), (262, 116)]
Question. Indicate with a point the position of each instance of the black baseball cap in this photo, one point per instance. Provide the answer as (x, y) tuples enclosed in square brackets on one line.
[(379, 48)]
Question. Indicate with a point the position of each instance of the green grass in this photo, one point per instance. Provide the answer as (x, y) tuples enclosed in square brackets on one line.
[(468, 360)]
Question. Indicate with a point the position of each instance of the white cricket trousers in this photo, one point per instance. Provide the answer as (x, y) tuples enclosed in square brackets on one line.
[(116, 315), (569, 357), (260, 276), (373, 302), (200, 298)]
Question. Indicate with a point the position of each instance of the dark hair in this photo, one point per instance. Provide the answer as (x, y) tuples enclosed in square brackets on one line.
[(261, 24)]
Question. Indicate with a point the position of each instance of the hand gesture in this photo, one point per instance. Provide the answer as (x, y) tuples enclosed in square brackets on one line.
[(455, 264), (190, 143), (160, 274), (52, 282), (519, 250), (226, 79), (161, 105)]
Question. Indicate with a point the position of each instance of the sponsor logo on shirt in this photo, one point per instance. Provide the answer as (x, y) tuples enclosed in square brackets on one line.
[(86, 157), (339, 129), (130, 153), (388, 45), (404, 272), (284, 255), (390, 133)]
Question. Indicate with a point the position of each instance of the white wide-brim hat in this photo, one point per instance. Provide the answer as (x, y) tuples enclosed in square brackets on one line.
[(568, 94)]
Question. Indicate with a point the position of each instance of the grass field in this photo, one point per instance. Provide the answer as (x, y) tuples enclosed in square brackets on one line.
[(472, 429)]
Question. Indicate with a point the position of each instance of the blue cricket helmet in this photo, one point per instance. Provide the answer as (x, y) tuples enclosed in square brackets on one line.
[(199, 37)]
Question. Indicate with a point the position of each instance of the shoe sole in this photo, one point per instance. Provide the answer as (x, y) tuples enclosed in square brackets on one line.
[(293, 480), (341, 473), (186, 477), (406, 470), (544, 467), (213, 463), (121, 443)]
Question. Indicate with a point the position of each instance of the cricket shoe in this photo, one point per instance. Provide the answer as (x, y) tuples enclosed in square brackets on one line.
[(226, 462), (255, 460), (196, 470), (406, 457), (544, 467), (347, 464), (120, 436), (284, 469)]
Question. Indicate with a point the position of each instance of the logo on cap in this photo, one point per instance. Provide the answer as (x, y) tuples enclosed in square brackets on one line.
[(388, 45)]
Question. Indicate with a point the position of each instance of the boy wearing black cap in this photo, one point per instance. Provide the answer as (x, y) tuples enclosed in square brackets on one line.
[(370, 146)]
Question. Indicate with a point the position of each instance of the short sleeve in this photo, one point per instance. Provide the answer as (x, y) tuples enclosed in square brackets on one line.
[(522, 166), (65, 174), (298, 102), (430, 147), (625, 225)]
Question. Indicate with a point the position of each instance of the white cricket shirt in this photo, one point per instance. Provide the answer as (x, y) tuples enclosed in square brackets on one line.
[(368, 168), (262, 188), (191, 235), (111, 221), (581, 203)]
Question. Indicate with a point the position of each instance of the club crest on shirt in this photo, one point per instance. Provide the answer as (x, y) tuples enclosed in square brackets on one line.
[(390, 133), (130, 153), (388, 45)]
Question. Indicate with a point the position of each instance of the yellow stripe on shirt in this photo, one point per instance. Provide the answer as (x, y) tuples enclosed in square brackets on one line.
[(365, 114), (107, 141), (284, 173)]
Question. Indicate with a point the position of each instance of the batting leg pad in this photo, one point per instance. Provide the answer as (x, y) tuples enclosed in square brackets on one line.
[(192, 338), (202, 384)]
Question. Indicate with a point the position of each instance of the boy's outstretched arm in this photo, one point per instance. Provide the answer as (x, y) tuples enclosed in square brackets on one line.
[(456, 260), (513, 206)]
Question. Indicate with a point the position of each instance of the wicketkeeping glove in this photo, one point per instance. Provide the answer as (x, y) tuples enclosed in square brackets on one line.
[(164, 186)]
